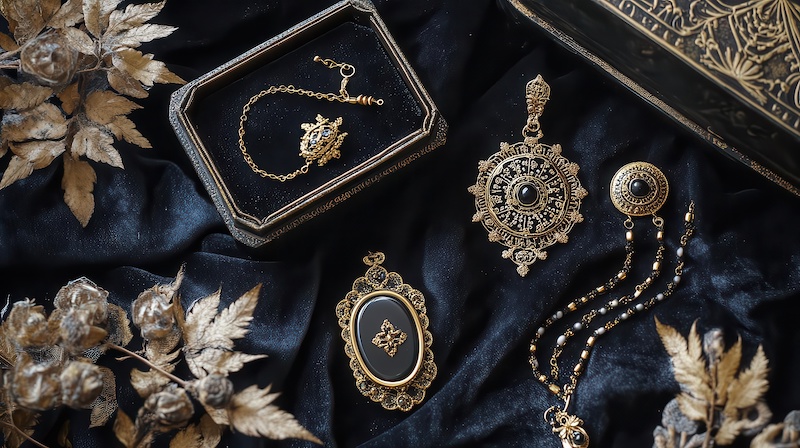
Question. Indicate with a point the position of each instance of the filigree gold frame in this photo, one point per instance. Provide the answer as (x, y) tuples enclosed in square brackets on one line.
[(409, 391)]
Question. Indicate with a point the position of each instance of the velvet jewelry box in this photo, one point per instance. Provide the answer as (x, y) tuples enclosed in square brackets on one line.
[(727, 71), (206, 114)]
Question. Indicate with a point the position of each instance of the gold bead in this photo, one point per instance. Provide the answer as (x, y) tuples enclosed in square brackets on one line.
[(657, 266), (689, 217), (622, 275), (590, 341), (554, 389), (533, 348), (629, 235), (660, 235), (578, 367), (585, 354), (572, 306), (601, 288), (542, 378)]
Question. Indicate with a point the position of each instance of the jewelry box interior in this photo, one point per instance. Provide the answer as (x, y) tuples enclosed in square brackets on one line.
[(402, 122)]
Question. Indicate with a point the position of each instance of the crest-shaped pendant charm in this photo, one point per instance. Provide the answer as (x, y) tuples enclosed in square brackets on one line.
[(322, 140), (385, 331), (528, 195), (568, 428)]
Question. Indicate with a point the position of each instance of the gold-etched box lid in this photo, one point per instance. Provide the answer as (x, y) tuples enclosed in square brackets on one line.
[(206, 115), (729, 71)]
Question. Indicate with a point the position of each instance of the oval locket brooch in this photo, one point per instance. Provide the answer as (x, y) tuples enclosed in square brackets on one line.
[(528, 195), (385, 330)]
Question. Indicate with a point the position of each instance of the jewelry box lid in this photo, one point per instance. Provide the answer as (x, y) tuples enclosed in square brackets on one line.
[(704, 64), (206, 115)]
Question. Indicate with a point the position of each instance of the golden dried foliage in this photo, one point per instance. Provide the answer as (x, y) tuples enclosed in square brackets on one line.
[(205, 434), (91, 109), (251, 412), (209, 334), (711, 381)]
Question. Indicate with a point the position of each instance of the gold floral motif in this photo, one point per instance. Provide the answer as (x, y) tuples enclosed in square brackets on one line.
[(389, 338), (750, 46)]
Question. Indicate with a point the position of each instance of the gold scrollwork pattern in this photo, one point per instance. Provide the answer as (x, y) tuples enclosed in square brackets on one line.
[(750, 46)]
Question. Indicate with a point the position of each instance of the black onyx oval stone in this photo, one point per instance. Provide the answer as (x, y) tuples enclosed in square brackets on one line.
[(527, 194), (639, 188), (387, 338)]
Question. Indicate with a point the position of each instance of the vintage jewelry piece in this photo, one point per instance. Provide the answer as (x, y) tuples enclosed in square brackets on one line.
[(528, 195), (633, 198), (322, 139), (385, 332)]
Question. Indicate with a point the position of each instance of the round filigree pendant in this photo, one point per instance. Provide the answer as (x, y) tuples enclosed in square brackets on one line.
[(528, 195), (639, 189)]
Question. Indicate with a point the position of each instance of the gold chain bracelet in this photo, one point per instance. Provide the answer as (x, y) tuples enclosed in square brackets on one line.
[(322, 139)]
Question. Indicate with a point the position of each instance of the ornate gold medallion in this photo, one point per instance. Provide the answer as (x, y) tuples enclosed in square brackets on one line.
[(639, 189), (385, 331), (528, 195), (322, 140)]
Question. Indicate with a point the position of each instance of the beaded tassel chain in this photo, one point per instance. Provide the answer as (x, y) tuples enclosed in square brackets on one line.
[(569, 427)]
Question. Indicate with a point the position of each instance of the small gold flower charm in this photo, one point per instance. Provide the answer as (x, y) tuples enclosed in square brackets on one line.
[(528, 195), (384, 325), (322, 140), (568, 428), (389, 338)]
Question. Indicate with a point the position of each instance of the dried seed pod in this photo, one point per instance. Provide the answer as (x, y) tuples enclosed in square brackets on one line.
[(35, 385), (27, 325), (49, 59), (154, 314), (714, 344), (83, 294), (81, 384), (214, 390), (76, 332), (169, 409)]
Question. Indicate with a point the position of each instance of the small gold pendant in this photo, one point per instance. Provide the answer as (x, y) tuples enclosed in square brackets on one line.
[(568, 428), (528, 195), (385, 330), (322, 140)]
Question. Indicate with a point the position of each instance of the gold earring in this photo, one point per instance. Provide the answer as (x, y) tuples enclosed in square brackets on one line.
[(322, 139), (528, 195), (385, 330)]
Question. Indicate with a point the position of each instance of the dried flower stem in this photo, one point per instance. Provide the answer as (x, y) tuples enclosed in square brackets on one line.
[(172, 377), (22, 433)]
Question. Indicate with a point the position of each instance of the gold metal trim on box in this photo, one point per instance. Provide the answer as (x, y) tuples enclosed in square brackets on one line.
[(751, 47), (409, 391)]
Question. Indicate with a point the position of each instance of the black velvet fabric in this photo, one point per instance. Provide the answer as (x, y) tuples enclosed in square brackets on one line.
[(742, 272)]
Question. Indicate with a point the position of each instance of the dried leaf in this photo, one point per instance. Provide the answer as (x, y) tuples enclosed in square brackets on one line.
[(79, 40), (44, 122), (102, 106), (206, 434), (63, 435), (123, 128), (119, 326), (143, 68), (692, 408), (727, 368), (767, 436), (23, 96), (687, 360), (133, 15), (78, 184), (28, 157), (134, 37), (69, 98), (746, 390), (97, 145), (219, 416), (150, 382), (106, 404), (26, 18), (92, 16), (71, 13), (252, 413), (124, 429), (7, 43), (125, 84), (23, 419), (209, 335), (8, 351)]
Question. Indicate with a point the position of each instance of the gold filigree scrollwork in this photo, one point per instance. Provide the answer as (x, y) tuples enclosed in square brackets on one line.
[(750, 46)]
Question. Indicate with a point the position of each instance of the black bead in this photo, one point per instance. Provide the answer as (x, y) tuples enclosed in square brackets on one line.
[(639, 188), (527, 194), (578, 438)]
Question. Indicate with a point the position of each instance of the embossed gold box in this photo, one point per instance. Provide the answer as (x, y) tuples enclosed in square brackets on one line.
[(728, 71), (205, 114)]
